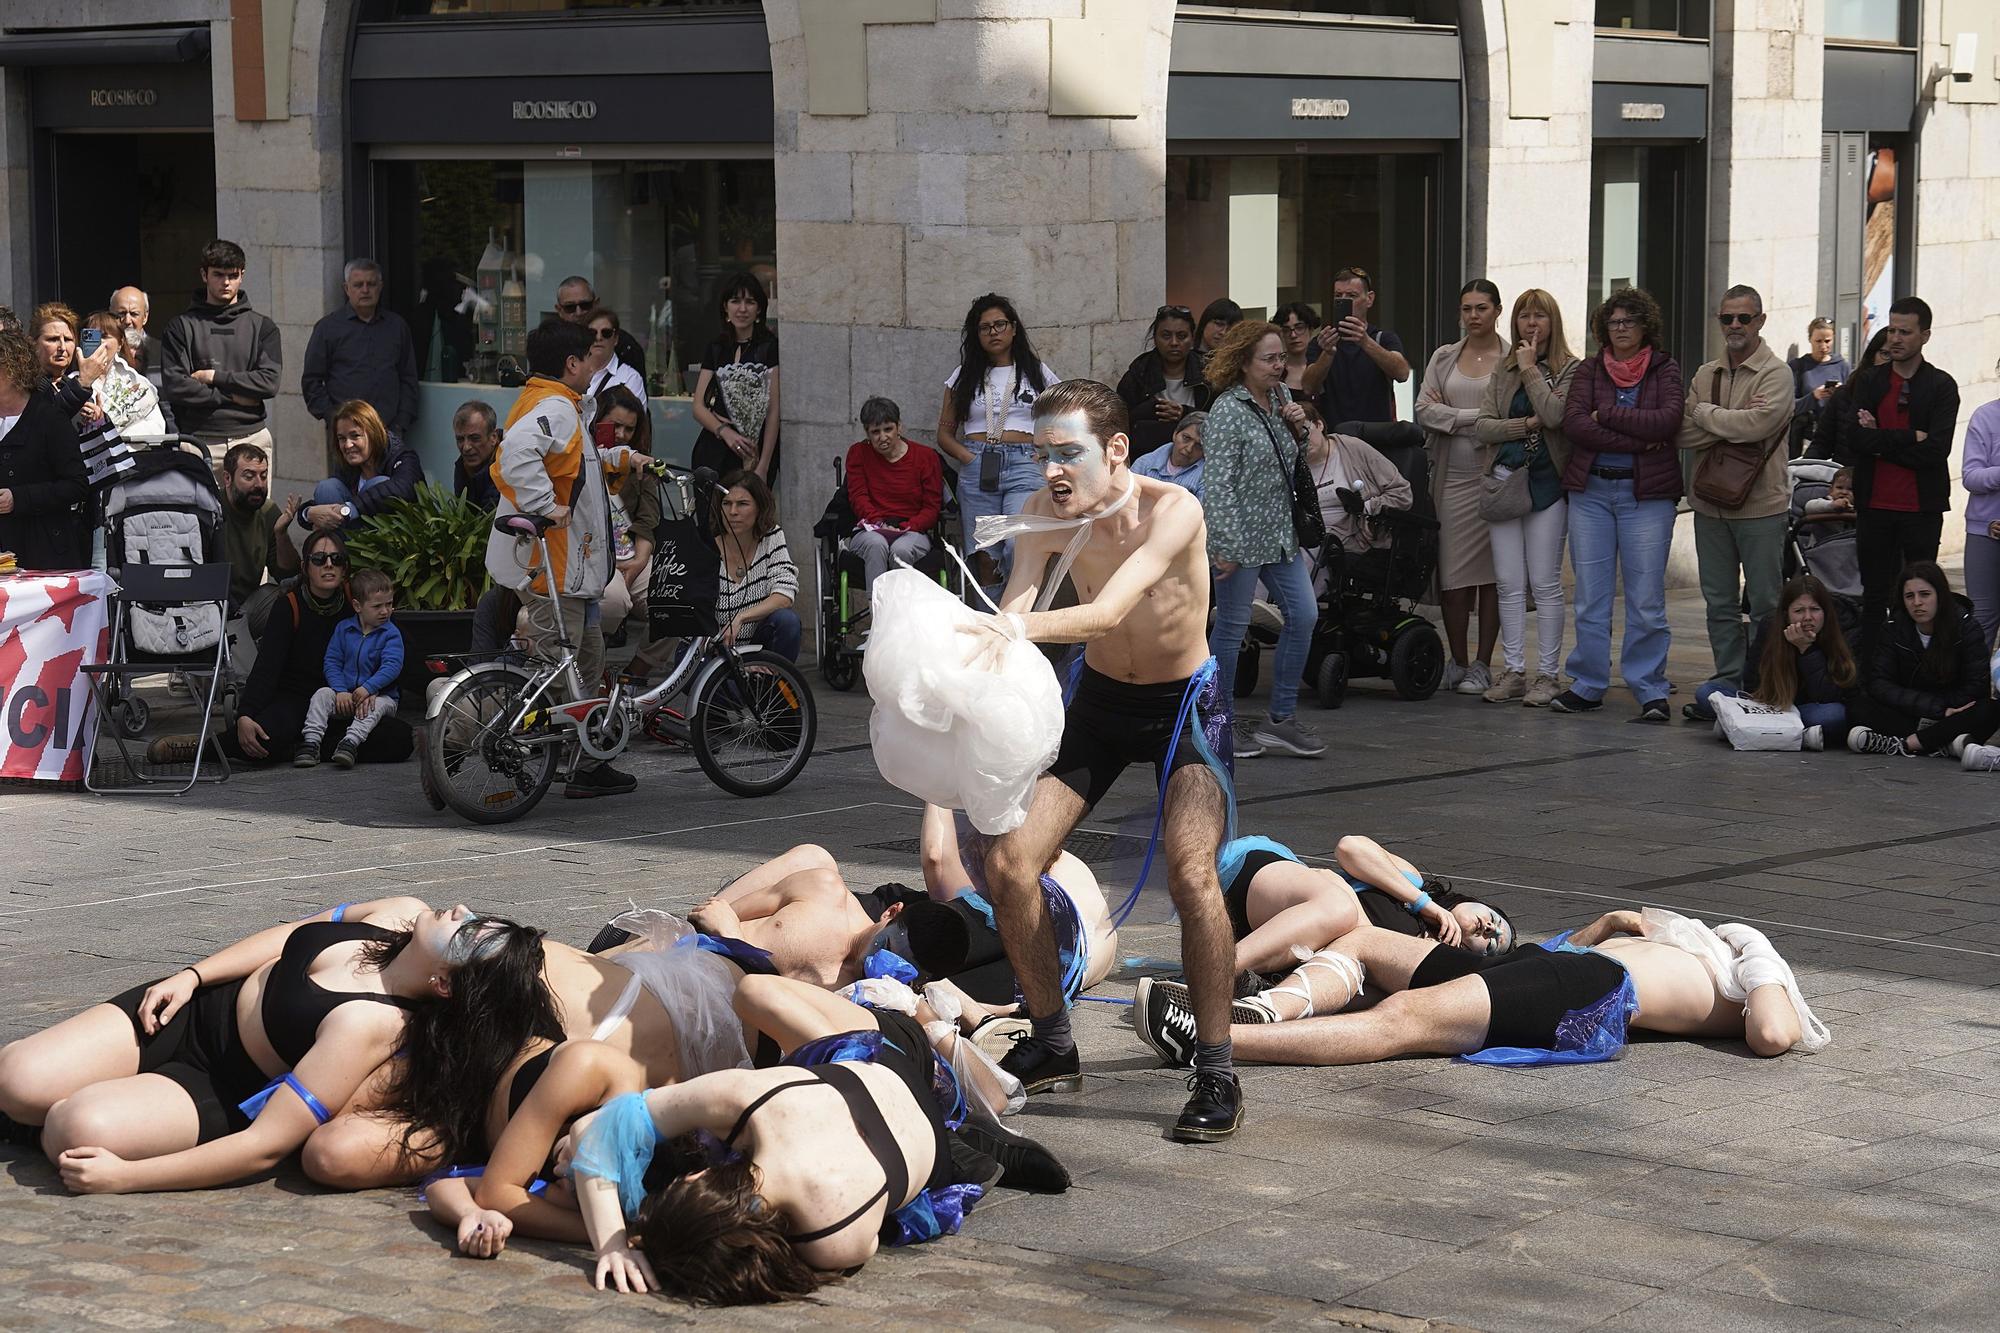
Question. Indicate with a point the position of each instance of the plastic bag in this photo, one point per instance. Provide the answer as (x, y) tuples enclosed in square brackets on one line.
[(961, 737), (1749, 725)]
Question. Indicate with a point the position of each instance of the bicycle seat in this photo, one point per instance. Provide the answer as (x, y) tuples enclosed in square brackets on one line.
[(522, 525)]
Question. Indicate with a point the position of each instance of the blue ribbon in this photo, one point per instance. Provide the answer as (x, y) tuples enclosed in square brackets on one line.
[(1200, 680), (254, 1106)]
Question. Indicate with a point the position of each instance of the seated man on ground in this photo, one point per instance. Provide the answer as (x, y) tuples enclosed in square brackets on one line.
[(255, 540), (475, 429), (1567, 1001)]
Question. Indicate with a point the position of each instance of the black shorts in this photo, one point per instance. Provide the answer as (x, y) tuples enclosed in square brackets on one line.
[(1236, 894), (200, 1051), (1111, 725), (1531, 989)]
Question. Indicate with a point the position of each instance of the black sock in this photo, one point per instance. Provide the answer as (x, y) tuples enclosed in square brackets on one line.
[(1216, 1055), (1054, 1032)]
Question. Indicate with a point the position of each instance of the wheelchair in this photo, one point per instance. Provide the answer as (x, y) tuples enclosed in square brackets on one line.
[(843, 628), (1368, 623)]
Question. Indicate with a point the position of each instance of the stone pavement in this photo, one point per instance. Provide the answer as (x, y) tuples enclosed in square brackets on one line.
[(1684, 1185)]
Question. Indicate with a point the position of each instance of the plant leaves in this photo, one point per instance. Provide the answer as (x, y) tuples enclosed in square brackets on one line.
[(433, 546)]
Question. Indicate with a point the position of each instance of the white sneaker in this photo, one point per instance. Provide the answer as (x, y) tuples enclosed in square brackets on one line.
[(1813, 738), (1454, 675), (1265, 616), (1958, 744), (1980, 759), (1478, 679)]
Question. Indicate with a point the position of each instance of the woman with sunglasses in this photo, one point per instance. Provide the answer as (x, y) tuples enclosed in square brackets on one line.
[(1164, 383), (606, 369)]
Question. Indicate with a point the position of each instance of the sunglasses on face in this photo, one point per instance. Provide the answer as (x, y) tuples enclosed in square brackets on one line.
[(324, 558), (575, 307), (1730, 321), (605, 335)]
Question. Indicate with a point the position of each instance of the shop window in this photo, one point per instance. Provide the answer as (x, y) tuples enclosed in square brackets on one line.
[(1644, 233), (1867, 21), (1685, 18), (1265, 230)]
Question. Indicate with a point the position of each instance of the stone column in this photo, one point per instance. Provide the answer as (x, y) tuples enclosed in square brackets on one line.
[(1763, 153), (1527, 194), (929, 151)]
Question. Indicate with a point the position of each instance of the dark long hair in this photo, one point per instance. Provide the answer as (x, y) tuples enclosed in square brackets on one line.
[(617, 395), (1778, 665), (972, 362), (1940, 660), (455, 1050), (741, 283), (1444, 895), (712, 1239)]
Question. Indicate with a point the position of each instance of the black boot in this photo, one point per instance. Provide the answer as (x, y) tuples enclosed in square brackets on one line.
[(1041, 1068), (1025, 1164), (1215, 1109)]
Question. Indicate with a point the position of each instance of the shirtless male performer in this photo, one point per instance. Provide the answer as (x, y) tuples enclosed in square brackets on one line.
[(1142, 586), (1445, 1002)]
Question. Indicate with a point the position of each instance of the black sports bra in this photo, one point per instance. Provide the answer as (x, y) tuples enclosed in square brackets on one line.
[(875, 1135), (294, 1004), (525, 1078)]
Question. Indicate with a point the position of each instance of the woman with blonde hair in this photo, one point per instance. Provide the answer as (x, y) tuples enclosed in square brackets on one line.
[(1520, 427), (376, 469)]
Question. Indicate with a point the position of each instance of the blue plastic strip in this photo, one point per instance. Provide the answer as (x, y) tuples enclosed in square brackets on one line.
[(1199, 681), (340, 912), (254, 1106)]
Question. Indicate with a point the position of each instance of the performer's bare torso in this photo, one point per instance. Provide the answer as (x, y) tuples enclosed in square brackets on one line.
[(1677, 995)]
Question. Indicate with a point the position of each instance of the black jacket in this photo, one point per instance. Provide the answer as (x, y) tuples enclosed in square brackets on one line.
[(49, 525), (1145, 379), (1933, 410), (477, 487), (1899, 675), (243, 349), (1816, 683), (291, 660), (372, 360), (404, 472)]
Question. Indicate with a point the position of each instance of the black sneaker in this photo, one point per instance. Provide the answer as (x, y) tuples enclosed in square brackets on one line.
[(609, 938), (969, 1165), (1041, 1068), (1569, 701), (1024, 1163), (307, 755), (1247, 983), (1698, 712), (1215, 1109), (604, 780), (1654, 710), (1864, 740), (1165, 1021), (343, 755)]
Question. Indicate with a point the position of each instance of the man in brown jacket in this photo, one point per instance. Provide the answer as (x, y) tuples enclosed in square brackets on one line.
[(1741, 397)]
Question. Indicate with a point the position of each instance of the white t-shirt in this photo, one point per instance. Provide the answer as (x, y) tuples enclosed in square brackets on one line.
[(1177, 391), (7, 424), (1020, 407)]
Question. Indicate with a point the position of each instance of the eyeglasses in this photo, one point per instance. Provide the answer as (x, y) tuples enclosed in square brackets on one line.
[(1295, 326), (576, 307), (606, 335), (324, 558), (1621, 323), (996, 326), (1730, 321)]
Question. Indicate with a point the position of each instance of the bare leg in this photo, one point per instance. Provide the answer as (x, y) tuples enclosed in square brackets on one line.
[(1014, 865), (1194, 822), (1456, 603), (40, 1070), (1291, 904), (793, 1013), (1372, 863), (1326, 983), (146, 1115), (1770, 1023), (362, 1147), (944, 872), (1439, 1020), (1489, 621), (1390, 958)]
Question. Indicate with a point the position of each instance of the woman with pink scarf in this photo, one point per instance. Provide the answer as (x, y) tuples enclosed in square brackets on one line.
[(1624, 479)]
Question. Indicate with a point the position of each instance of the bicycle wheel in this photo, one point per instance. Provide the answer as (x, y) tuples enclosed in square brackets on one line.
[(753, 725), (477, 768)]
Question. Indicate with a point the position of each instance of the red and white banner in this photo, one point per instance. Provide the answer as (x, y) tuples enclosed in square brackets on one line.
[(50, 626)]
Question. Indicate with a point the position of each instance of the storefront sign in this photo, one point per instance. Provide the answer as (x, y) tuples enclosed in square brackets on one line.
[(1642, 111), (50, 626), (124, 97), (1319, 108), (555, 110)]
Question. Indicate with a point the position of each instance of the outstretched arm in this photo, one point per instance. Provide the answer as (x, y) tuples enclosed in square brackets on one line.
[(944, 870), (1621, 922), (582, 1076)]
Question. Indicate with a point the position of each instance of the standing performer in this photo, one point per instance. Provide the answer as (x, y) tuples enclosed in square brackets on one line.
[(1147, 694)]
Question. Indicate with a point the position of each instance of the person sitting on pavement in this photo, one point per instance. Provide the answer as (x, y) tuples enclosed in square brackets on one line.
[(1356, 484), (1801, 656), (1569, 1000), (363, 661), (475, 429), (896, 490), (1925, 689), (758, 580), (376, 469), (256, 536), (1179, 460)]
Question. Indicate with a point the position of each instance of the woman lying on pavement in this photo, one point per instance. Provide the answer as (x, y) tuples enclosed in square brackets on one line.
[(773, 1182), (1567, 1001), (222, 1070)]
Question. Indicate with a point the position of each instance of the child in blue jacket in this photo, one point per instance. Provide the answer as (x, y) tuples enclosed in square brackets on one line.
[(362, 663)]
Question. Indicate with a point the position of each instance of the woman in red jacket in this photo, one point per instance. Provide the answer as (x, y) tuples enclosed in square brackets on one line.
[(895, 488), (1624, 479)]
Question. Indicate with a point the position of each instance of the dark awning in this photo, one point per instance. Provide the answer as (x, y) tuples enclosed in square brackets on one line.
[(105, 46)]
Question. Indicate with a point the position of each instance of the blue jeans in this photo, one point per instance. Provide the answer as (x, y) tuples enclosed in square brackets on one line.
[(1811, 715), (1291, 584), (780, 632), (1613, 540), (1019, 479), (334, 491)]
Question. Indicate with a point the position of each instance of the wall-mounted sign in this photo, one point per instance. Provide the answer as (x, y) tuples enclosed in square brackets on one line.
[(555, 110), (121, 96), (124, 97), (1642, 111), (1319, 108)]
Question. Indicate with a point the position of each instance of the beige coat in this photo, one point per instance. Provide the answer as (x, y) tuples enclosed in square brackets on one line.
[(1546, 395), (1711, 419), (1441, 421)]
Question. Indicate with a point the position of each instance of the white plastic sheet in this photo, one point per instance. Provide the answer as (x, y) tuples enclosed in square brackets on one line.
[(1749, 725)]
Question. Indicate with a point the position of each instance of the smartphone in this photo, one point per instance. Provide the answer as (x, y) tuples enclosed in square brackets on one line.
[(604, 434), (87, 345), (1343, 308)]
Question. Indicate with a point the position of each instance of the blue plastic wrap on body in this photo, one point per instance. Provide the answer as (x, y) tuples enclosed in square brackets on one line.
[(1230, 859), (933, 1213), (977, 902), (253, 1106), (855, 1047), (618, 1146), (1203, 702), (749, 957), (535, 1186), (1585, 1036), (884, 963), (1072, 942)]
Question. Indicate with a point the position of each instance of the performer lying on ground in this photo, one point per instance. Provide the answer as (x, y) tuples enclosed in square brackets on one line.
[(1146, 694), (1569, 1000), (159, 1088), (773, 1182)]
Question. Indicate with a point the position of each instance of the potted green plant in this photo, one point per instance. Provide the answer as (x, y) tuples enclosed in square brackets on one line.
[(433, 547)]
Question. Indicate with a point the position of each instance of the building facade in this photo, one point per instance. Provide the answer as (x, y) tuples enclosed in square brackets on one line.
[(878, 163)]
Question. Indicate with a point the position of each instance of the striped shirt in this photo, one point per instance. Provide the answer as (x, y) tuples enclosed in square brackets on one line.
[(770, 570)]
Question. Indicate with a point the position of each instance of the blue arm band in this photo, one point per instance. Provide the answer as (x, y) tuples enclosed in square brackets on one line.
[(1417, 908), (254, 1106), (340, 912)]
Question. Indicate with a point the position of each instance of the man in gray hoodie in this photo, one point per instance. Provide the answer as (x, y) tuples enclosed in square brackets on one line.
[(220, 360)]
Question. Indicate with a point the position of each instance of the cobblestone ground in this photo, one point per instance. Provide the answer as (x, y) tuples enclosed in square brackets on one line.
[(1685, 1185)]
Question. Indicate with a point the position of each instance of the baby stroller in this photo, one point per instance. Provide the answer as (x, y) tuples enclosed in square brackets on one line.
[(1368, 624), (1826, 549), (843, 628)]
